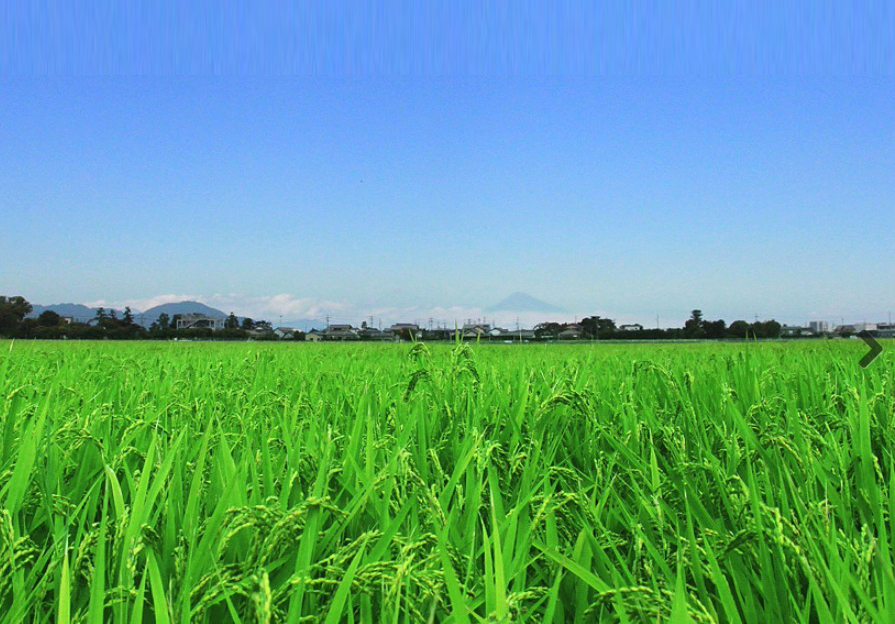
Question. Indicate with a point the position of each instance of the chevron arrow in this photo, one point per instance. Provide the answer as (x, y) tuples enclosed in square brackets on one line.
[(875, 349)]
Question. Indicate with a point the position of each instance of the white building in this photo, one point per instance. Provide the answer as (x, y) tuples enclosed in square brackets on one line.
[(819, 327), (197, 320)]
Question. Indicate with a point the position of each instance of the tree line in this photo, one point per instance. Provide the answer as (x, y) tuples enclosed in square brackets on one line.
[(697, 327), (15, 323)]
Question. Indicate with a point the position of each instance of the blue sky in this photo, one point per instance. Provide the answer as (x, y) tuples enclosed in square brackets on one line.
[(740, 169)]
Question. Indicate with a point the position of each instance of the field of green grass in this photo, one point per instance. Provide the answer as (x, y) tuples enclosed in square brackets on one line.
[(209, 482)]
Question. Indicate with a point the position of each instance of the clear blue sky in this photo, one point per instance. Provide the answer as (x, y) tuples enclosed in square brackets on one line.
[(635, 167)]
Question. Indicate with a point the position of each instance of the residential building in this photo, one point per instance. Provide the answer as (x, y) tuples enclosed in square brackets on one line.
[(794, 331), (197, 320), (340, 332), (399, 327), (631, 327), (405, 330), (819, 327), (475, 331), (438, 333), (855, 328), (517, 334), (859, 327), (571, 332), (372, 333)]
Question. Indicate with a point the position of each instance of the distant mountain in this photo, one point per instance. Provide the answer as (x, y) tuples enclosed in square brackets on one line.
[(151, 315), (522, 302), (77, 311), (82, 313), (304, 325)]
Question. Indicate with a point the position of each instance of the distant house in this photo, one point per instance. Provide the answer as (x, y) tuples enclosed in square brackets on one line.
[(197, 320), (372, 333), (284, 332), (397, 327), (885, 330), (313, 336), (572, 332), (871, 327), (856, 328), (794, 331), (438, 333), (517, 334), (340, 332), (405, 330), (631, 327), (473, 331)]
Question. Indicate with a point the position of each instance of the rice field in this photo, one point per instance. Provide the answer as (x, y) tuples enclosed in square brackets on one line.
[(249, 482)]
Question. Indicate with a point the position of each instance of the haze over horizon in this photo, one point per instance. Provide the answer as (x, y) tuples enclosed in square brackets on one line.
[(735, 189)]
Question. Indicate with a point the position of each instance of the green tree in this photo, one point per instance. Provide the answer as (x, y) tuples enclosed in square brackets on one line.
[(738, 329), (128, 318), (232, 322), (766, 329), (714, 330), (164, 322), (248, 324), (48, 318), (547, 330), (595, 326), (12, 311), (693, 328)]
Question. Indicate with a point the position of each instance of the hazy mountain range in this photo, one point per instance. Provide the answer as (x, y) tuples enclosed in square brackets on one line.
[(522, 302), (78, 311), (82, 313)]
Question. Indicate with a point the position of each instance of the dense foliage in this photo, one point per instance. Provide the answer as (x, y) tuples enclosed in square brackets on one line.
[(197, 482)]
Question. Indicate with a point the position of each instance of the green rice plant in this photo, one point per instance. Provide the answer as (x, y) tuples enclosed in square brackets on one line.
[(291, 482)]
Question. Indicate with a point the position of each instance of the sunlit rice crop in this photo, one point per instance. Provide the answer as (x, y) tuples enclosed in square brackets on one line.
[(207, 482)]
